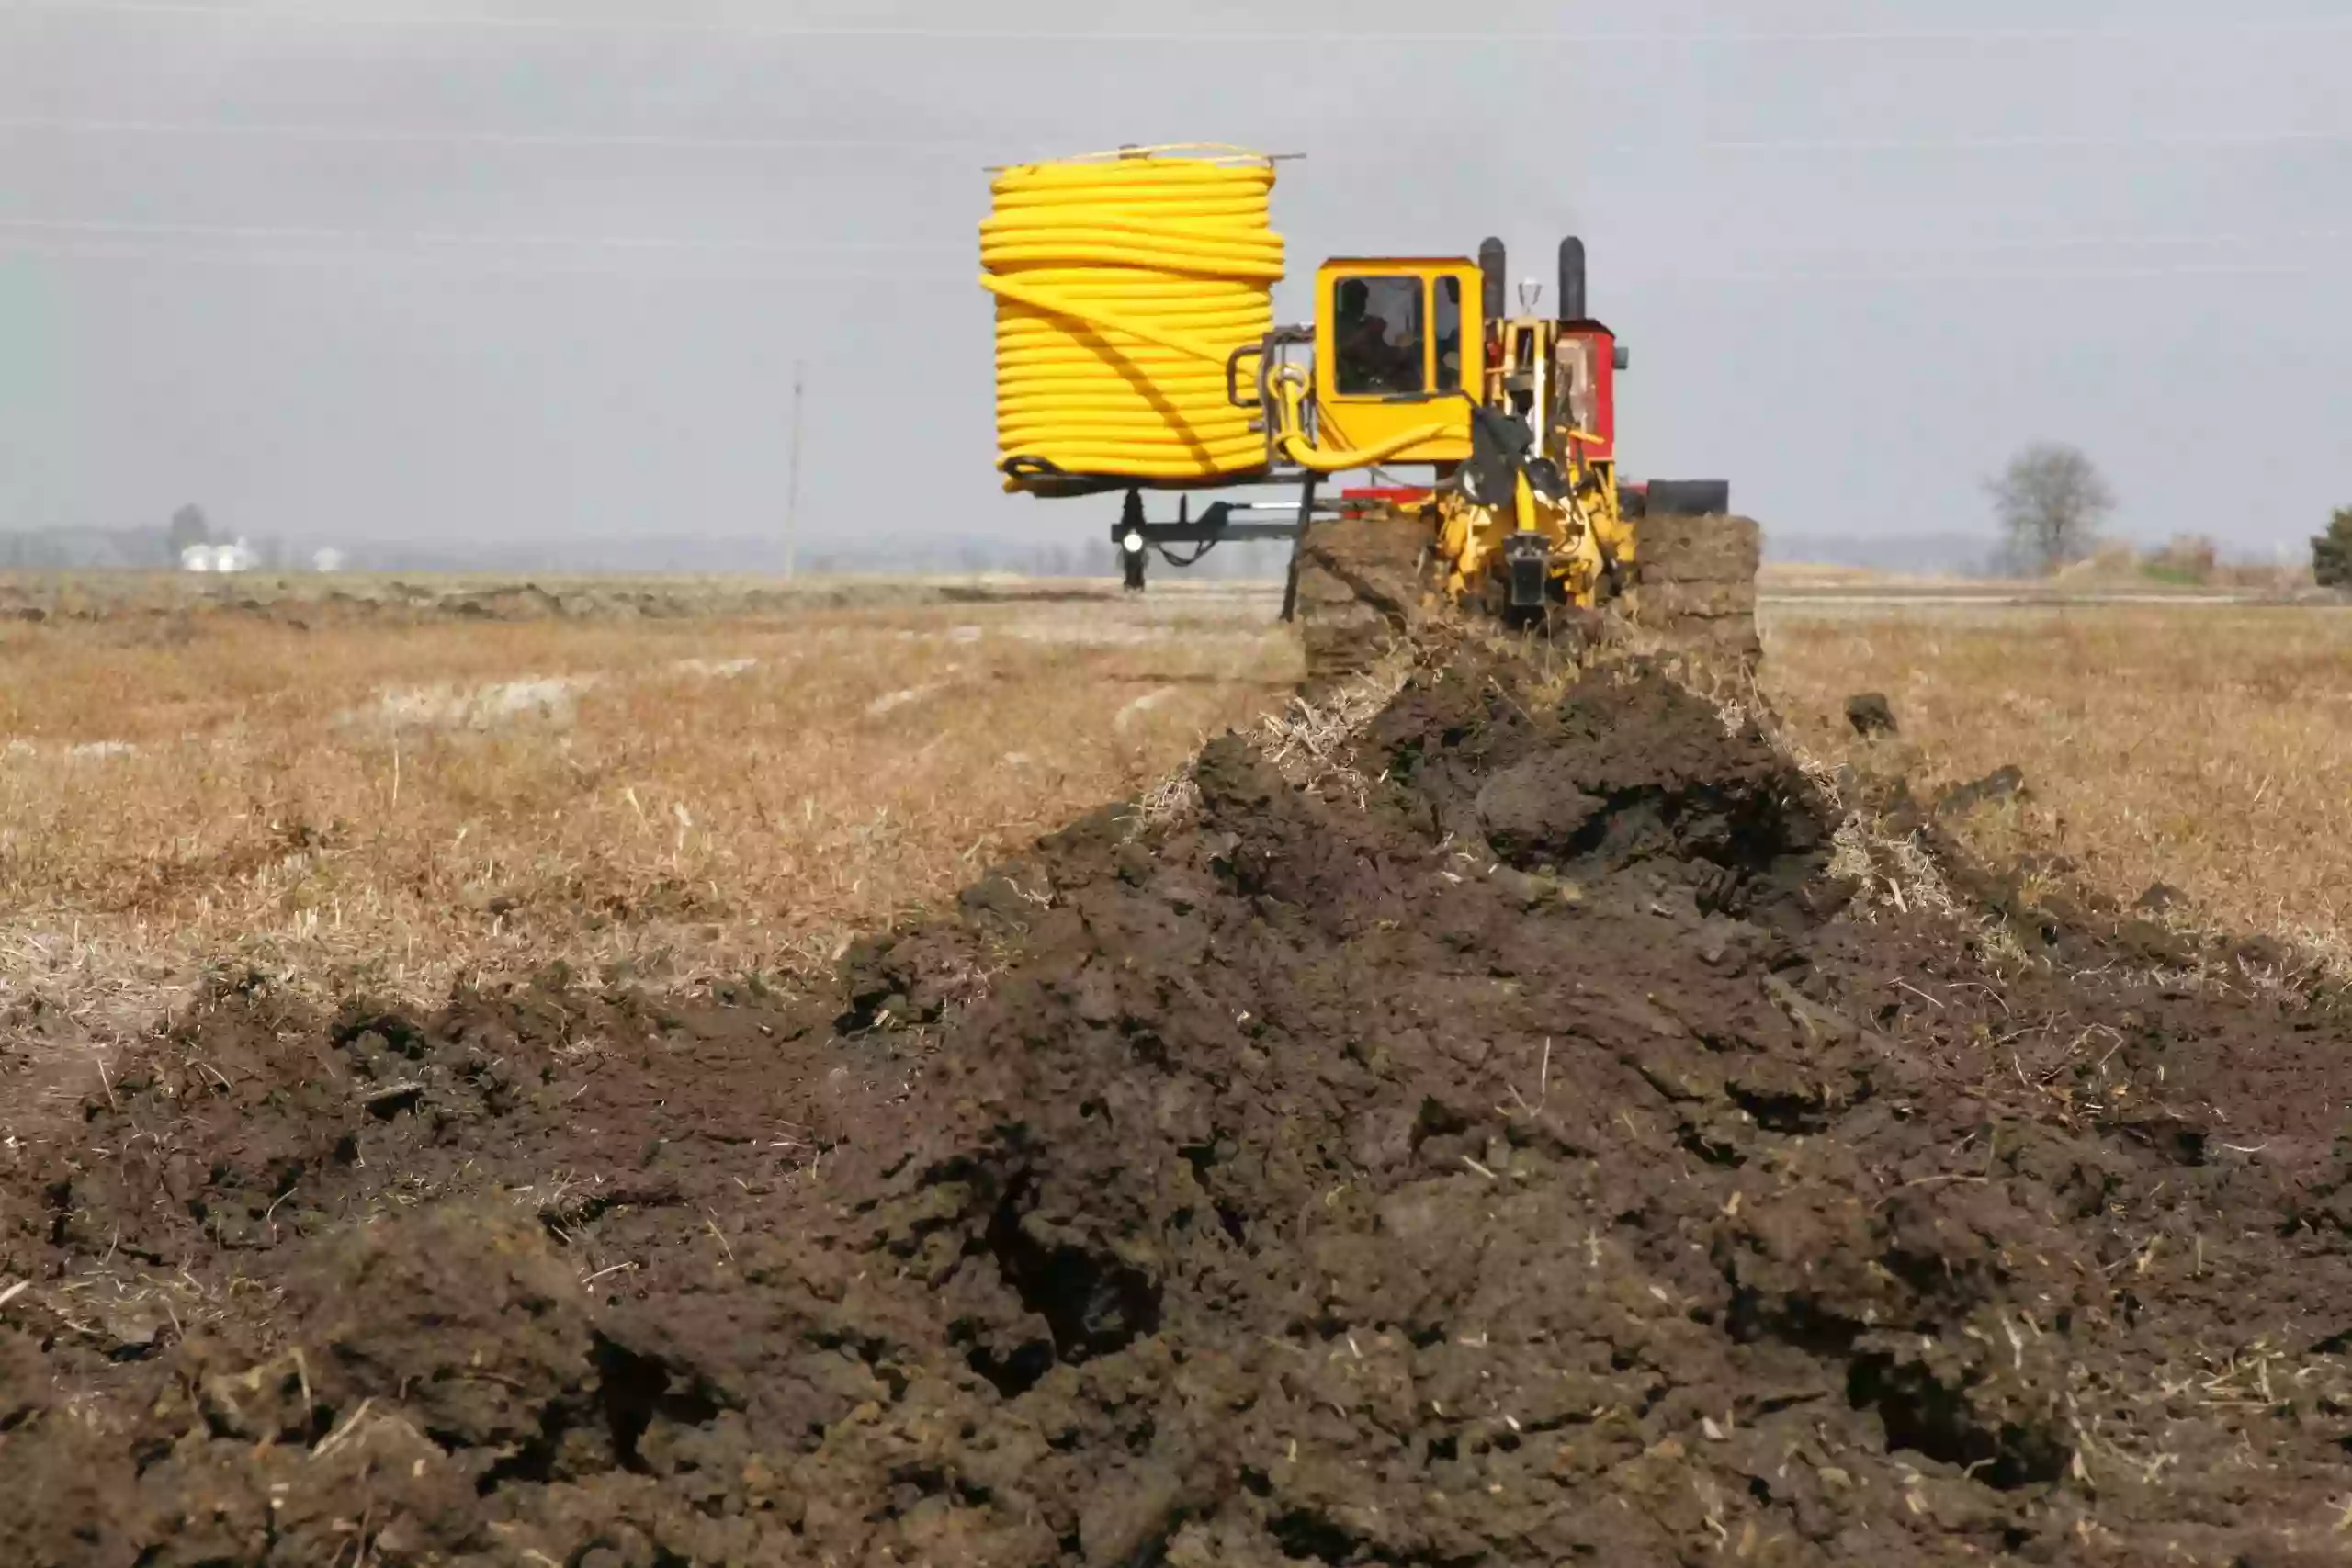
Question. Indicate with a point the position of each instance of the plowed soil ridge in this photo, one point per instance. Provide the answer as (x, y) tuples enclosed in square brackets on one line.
[(1538, 1158)]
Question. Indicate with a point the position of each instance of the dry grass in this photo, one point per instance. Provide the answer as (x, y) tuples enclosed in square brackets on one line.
[(394, 810), (371, 806), (2208, 749)]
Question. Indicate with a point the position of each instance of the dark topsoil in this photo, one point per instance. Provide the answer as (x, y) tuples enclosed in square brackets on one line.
[(1544, 1162)]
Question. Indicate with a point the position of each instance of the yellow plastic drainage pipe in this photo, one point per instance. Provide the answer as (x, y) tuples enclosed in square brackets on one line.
[(1124, 282)]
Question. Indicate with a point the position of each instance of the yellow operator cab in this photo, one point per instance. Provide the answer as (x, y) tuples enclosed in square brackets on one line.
[(1399, 346)]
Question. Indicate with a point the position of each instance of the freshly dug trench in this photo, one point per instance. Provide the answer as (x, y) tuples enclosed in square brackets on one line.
[(1361, 587), (1548, 1160)]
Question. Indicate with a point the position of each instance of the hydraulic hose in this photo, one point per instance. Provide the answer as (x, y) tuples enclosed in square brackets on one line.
[(1124, 282), (1290, 391)]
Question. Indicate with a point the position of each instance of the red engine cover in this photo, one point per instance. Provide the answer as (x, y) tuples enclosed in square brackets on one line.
[(1596, 355)]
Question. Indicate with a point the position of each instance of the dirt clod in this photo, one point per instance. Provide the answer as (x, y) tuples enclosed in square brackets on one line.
[(1360, 588), (2001, 783), (1871, 714), (1548, 1155)]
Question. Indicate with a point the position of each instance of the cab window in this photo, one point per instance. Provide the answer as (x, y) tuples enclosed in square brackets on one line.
[(1379, 343), (1449, 335)]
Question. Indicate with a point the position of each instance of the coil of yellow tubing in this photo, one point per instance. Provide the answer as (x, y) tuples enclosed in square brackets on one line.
[(1123, 283)]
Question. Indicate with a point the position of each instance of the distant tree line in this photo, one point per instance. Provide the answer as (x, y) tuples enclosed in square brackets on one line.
[(158, 547), (2051, 499), (1085, 552)]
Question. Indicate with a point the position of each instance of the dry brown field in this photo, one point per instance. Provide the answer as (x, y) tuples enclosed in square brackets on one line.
[(392, 804), (2205, 748), (552, 1267), (394, 789)]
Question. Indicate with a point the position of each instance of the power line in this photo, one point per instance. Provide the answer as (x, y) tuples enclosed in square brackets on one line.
[(792, 479), (443, 266), (401, 135), (376, 240), (477, 266), (1737, 38), (371, 237), (975, 149), (2065, 275), (2086, 242), (2032, 144)]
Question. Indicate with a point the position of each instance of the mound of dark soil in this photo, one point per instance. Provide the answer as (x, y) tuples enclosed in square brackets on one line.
[(1545, 1160)]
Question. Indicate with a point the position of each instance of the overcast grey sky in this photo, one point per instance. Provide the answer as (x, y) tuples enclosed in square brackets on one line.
[(452, 269)]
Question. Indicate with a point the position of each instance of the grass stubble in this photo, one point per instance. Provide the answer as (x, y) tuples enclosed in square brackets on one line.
[(395, 810), (2206, 749)]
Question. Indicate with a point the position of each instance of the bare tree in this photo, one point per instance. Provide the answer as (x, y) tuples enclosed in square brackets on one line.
[(2051, 499)]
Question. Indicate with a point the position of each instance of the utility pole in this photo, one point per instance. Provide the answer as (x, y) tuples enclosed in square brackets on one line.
[(792, 482)]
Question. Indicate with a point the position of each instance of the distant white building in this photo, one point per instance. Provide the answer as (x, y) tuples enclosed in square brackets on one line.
[(237, 556), (327, 561)]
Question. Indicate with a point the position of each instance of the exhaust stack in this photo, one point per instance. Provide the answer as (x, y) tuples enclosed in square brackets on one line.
[(1493, 267), (1572, 298)]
